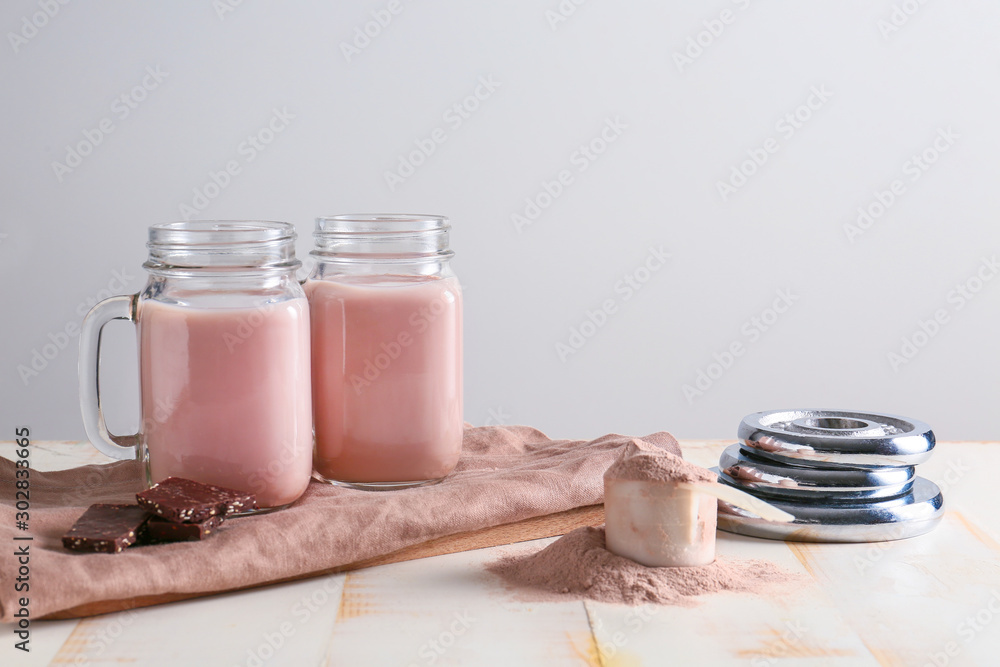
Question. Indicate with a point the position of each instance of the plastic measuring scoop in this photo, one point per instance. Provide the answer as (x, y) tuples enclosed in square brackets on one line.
[(671, 524)]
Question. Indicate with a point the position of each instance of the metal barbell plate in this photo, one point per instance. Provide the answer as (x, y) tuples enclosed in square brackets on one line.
[(913, 514), (836, 438), (757, 476)]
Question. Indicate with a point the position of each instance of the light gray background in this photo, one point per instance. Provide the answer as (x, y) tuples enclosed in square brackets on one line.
[(890, 93)]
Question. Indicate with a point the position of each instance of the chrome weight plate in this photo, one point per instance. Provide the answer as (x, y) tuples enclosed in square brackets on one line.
[(913, 514), (836, 438), (757, 476)]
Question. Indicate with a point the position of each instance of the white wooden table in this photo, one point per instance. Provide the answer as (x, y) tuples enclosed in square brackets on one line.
[(932, 600)]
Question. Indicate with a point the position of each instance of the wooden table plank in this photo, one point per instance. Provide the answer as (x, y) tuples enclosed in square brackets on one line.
[(449, 611), (279, 625), (798, 625), (897, 603)]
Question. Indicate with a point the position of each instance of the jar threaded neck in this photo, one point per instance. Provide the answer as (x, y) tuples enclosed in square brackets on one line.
[(225, 246), (383, 238)]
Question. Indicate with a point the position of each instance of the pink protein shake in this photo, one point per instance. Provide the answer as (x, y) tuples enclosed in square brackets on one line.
[(226, 396), (387, 377)]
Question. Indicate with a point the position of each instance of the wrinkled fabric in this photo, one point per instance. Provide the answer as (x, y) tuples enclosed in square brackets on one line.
[(506, 474)]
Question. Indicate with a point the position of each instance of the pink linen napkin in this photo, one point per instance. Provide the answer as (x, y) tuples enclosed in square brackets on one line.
[(506, 474)]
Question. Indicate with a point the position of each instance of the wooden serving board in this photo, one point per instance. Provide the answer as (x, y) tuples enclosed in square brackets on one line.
[(548, 525)]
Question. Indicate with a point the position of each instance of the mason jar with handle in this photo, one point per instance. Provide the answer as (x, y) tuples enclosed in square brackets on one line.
[(224, 361), (386, 312)]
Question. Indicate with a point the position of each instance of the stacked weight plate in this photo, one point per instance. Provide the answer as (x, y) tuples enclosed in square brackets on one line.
[(845, 476)]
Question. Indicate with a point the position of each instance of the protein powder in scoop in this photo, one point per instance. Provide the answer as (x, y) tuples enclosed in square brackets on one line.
[(661, 510), (654, 511)]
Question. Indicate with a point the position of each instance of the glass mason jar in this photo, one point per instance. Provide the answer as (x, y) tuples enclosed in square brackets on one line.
[(386, 314), (223, 338)]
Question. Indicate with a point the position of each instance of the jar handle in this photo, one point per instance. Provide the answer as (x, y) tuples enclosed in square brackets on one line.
[(115, 308)]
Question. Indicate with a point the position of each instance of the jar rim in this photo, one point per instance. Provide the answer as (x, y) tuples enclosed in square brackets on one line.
[(218, 233), (380, 223), (221, 246)]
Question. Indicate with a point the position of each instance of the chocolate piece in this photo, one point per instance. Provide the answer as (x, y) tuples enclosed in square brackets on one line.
[(106, 528), (158, 531), (185, 501)]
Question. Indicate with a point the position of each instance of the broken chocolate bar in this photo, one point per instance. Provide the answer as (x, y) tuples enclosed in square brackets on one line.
[(159, 531), (106, 528), (185, 501)]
